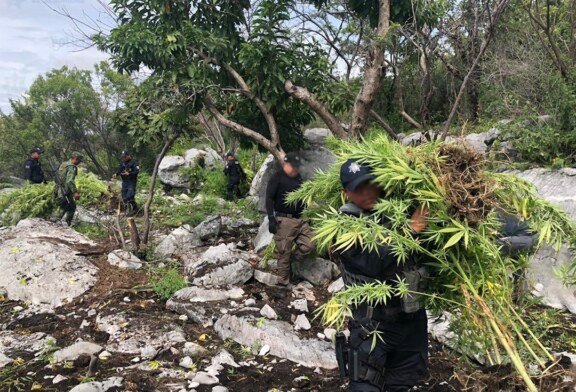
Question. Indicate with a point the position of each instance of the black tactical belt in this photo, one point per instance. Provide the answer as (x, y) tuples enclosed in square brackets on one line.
[(283, 215)]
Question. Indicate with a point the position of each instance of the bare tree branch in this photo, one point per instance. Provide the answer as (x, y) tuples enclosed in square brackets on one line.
[(302, 94)]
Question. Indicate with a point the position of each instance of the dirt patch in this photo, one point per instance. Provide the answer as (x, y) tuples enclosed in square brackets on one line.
[(125, 291)]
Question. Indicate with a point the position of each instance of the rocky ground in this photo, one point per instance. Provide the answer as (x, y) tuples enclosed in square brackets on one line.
[(79, 322), (80, 315)]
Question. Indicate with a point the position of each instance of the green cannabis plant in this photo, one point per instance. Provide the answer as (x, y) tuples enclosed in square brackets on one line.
[(471, 277)]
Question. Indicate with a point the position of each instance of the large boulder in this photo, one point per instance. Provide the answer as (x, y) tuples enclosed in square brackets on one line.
[(558, 187), (316, 137), (280, 336), (39, 263), (317, 158), (481, 142), (220, 265), (317, 271), (169, 172), (181, 241), (212, 159)]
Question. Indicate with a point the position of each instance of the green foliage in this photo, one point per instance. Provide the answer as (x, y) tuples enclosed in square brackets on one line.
[(93, 231), (215, 183), (471, 277), (94, 193), (540, 143), (32, 200), (167, 280), (63, 112)]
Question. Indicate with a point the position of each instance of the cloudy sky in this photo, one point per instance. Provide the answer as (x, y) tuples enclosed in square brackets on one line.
[(34, 39)]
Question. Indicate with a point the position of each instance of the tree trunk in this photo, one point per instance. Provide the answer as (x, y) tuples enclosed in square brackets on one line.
[(167, 144), (495, 16), (303, 95), (274, 148), (373, 74), (134, 236)]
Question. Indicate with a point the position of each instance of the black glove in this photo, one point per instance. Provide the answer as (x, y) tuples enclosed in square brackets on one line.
[(272, 224)]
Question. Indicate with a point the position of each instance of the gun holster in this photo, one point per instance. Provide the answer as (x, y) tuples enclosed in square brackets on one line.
[(342, 354)]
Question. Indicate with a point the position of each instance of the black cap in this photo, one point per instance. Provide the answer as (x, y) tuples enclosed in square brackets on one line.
[(353, 173), (294, 159), (125, 153), (39, 150), (229, 154)]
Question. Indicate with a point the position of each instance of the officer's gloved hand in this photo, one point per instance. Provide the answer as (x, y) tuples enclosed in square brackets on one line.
[(272, 224)]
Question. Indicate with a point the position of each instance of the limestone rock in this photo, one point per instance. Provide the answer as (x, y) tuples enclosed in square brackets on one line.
[(124, 259), (133, 334), (112, 382), (302, 323), (209, 228), (281, 338), (40, 265), (268, 312), (316, 271), (74, 351), (168, 172), (181, 241)]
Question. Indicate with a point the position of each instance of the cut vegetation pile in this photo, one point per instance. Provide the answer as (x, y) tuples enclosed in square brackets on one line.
[(471, 277)]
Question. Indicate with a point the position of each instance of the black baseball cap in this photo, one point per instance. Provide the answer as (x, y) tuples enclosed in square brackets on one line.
[(294, 159), (39, 150), (125, 153), (354, 173), (229, 154)]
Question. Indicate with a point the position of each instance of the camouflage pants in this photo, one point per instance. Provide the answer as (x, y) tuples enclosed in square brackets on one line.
[(292, 231)]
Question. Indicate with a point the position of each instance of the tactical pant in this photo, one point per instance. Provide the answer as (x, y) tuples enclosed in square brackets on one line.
[(67, 208), (128, 196), (399, 359), (233, 182), (291, 231)]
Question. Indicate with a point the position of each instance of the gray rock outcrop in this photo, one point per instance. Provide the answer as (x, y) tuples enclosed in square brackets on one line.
[(39, 263), (282, 339)]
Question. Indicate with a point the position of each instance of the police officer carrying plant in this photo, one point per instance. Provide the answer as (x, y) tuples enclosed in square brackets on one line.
[(32, 167), (285, 220), (398, 360), (128, 171), (67, 190), (235, 175)]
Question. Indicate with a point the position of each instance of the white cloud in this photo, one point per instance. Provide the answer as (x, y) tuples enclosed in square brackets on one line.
[(35, 39)]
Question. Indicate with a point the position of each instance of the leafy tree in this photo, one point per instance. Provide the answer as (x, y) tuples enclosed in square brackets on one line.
[(62, 112), (232, 66)]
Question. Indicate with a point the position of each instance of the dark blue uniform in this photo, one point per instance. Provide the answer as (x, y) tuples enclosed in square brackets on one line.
[(33, 171), (235, 175), (129, 183), (399, 359)]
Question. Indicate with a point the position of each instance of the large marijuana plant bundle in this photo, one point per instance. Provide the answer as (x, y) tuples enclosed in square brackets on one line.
[(471, 277)]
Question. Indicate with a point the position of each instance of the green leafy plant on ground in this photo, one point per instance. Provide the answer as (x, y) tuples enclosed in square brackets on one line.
[(29, 201), (471, 277), (93, 192), (167, 280), (93, 231)]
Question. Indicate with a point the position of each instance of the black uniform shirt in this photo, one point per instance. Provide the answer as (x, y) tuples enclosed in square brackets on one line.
[(131, 167), (278, 188), (233, 169), (33, 171)]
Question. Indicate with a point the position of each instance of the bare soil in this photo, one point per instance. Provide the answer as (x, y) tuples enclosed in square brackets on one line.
[(448, 371)]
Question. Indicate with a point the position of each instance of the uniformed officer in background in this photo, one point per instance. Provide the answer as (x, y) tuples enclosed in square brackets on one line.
[(32, 167), (67, 190), (285, 220), (235, 175), (128, 171)]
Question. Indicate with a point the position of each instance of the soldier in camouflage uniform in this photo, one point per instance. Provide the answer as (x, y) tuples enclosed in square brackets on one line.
[(67, 191)]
